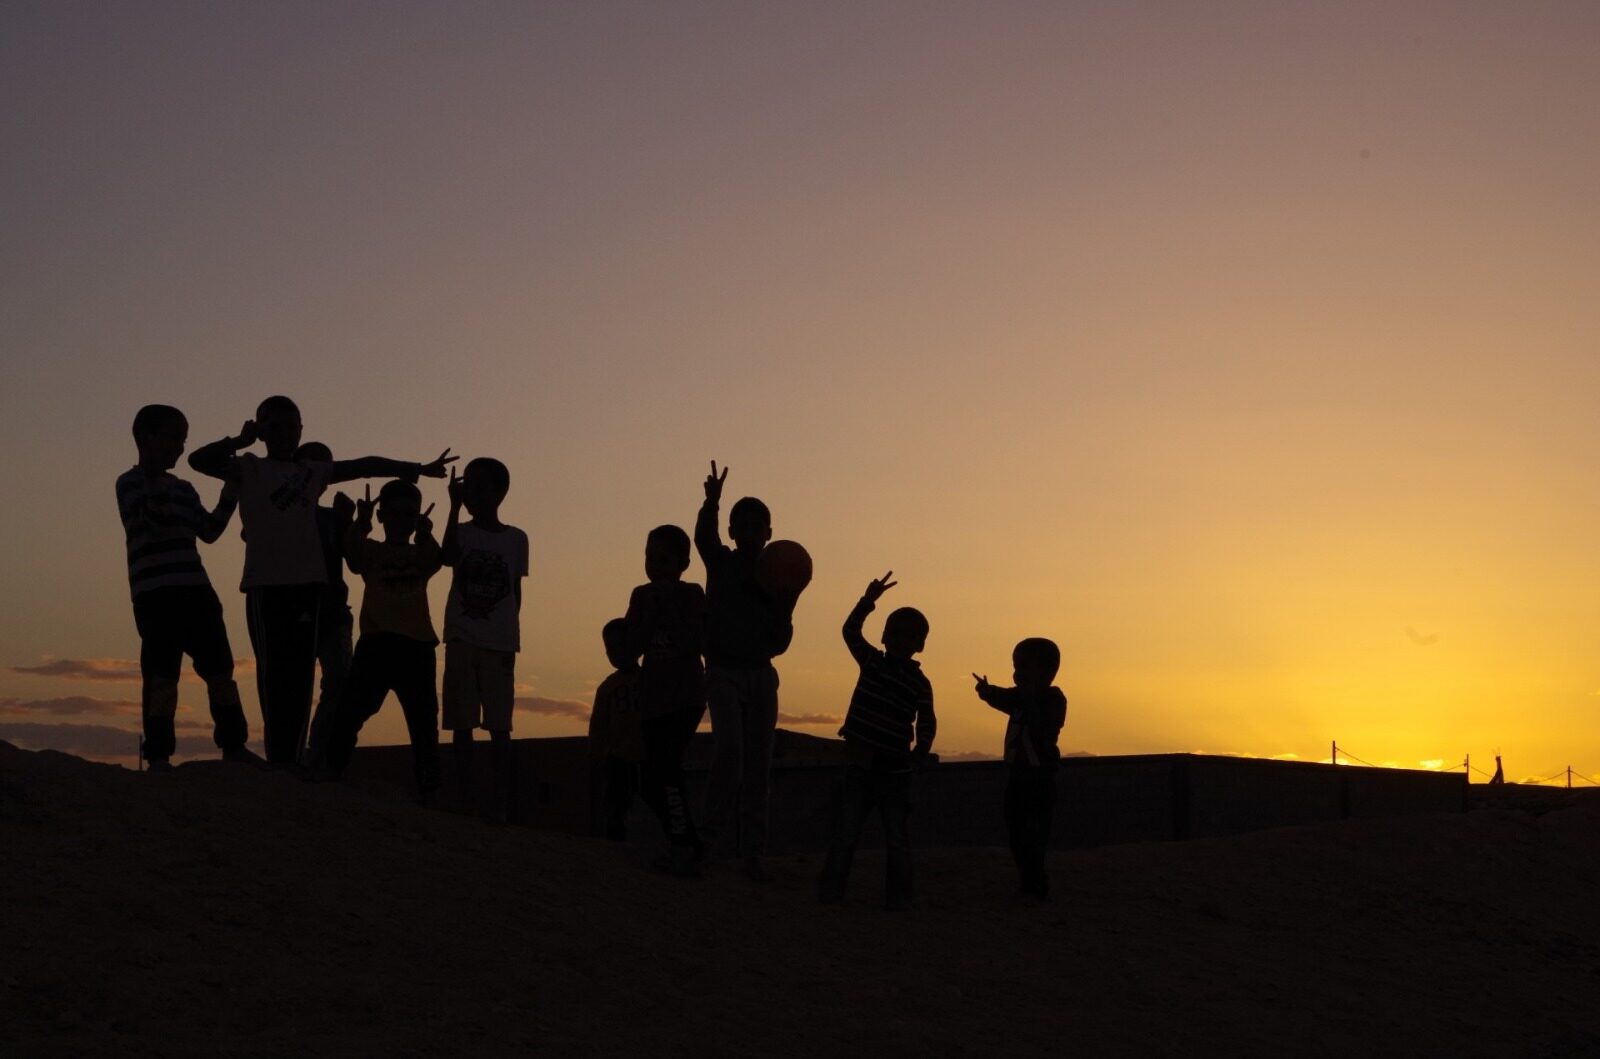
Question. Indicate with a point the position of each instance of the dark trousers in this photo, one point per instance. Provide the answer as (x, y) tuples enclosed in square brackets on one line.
[(615, 782), (283, 631), (666, 738), (1030, 803), (335, 631), (386, 662), (173, 622), (885, 786)]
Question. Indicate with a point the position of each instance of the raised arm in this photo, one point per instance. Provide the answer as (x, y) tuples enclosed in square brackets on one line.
[(427, 547), (215, 460), (215, 521), (860, 649), (707, 538), (383, 467), (450, 548), (356, 534)]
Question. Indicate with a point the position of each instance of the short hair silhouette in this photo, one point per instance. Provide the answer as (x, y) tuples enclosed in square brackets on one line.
[(614, 634), (675, 540), (495, 471), (1038, 651), (276, 405), (314, 451), (152, 417), (397, 489), (750, 507), (908, 622)]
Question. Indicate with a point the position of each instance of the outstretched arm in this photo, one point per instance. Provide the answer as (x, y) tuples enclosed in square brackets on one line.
[(707, 539), (216, 459), (860, 649), (1002, 699), (383, 467)]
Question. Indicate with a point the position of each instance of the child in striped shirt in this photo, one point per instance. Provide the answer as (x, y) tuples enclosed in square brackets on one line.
[(887, 731), (175, 608)]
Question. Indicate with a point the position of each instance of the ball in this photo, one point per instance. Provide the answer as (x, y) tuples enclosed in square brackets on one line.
[(784, 567)]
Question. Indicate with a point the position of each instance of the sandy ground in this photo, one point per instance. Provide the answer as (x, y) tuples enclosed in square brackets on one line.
[(226, 910)]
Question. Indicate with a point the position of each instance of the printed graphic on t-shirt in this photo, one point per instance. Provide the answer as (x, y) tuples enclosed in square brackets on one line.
[(483, 579), (293, 490)]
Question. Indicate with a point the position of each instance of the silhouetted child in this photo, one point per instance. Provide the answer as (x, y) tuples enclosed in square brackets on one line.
[(616, 736), (887, 731), (666, 620), (481, 624), (395, 652), (335, 623), (284, 568), (746, 628), (175, 608), (1036, 710)]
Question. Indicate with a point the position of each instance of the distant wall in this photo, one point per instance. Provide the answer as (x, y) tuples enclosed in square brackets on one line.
[(1101, 800)]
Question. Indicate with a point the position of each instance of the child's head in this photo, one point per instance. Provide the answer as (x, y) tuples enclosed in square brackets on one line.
[(278, 426), (750, 524), (620, 654), (399, 505), (905, 632), (315, 451), (666, 553), (1035, 662), (160, 431), (484, 485)]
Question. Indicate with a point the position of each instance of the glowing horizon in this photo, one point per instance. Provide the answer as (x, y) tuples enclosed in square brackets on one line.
[(1247, 353)]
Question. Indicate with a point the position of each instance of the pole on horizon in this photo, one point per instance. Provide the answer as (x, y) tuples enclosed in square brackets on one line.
[(1569, 777), (1466, 763), (1334, 757)]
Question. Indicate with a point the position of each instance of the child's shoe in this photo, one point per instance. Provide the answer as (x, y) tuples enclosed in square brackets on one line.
[(159, 764), (242, 755)]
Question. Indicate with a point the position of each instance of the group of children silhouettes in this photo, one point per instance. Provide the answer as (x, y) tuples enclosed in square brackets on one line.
[(678, 652)]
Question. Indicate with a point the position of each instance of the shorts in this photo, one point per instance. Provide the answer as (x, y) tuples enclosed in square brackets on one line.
[(480, 687)]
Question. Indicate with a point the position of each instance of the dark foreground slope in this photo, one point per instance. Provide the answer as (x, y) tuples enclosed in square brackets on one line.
[(224, 910)]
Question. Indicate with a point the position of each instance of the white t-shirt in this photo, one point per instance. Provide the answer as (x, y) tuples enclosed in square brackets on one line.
[(278, 506), (482, 609)]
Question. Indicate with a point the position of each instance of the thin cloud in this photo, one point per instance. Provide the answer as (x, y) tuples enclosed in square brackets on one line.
[(68, 706), (98, 741), (553, 707), (1419, 639), (809, 718), (116, 670)]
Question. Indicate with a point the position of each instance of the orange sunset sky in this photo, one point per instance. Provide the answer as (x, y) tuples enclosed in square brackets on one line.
[(1246, 349)]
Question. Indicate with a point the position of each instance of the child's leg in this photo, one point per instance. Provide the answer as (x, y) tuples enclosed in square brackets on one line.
[(497, 690), (414, 686), (621, 777), (160, 660), (334, 634), (283, 631), (894, 809), (364, 693), (461, 714), (206, 641), (760, 711), (727, 731), (1042, 815), (853, 798), (1016, 814)]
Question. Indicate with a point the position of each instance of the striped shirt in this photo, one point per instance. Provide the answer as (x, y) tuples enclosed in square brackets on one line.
[(162, 516), (892, 705)]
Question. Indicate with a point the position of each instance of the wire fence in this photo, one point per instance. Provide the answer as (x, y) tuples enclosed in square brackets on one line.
[(1565, 776)]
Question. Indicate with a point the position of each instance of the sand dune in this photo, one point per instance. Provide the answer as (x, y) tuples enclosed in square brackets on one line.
[(225, 910)]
